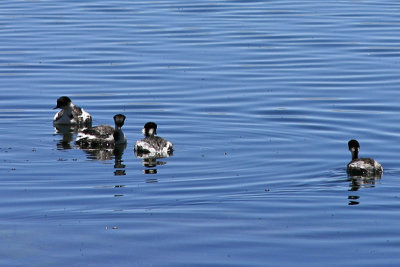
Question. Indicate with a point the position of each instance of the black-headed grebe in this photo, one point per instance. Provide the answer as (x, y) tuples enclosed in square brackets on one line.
[(70, 114), (152, 144), (103, 135), (362, 166)]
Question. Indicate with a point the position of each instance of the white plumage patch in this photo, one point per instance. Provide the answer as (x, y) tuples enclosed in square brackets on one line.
[(142, 145), (151, 150), (91, 137), (361, 165), (72, 115), (364, 166), (85, 116), (63, 117), (378, 166), (151, 132)]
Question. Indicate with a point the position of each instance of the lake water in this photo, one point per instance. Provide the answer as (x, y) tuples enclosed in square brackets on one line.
[(259, 99)]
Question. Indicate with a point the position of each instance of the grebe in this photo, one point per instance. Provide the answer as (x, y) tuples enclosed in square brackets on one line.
[(70, 114), (362, 166), (103, 135), (151, 144)]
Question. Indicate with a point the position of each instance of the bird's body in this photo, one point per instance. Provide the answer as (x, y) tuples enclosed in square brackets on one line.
[(362, 166), (70, 114), (152, 144)]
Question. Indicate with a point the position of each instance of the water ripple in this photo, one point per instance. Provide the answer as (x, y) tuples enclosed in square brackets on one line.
[(259, 100)]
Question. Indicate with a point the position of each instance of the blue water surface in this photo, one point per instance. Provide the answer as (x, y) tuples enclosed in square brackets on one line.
[(259, 99)]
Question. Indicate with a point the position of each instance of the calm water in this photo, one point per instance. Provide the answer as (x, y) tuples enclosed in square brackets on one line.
[(259, 99)]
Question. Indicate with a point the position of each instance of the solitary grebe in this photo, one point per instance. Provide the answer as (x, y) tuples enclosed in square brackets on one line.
[(362, 166), (151, 144), (70, 114), (103, 135)]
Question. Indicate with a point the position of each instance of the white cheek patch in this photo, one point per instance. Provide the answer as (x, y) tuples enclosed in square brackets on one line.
[(151, 132), (85, 115), (143, 131)]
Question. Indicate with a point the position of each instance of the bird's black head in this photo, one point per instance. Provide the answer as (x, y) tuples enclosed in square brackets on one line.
[(150, 129), (63, 102), (119, 120), (354, 147)]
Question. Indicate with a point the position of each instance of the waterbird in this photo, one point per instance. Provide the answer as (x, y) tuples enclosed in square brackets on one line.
[(103, 135), (152, 144), (362, 166), (70, 114)]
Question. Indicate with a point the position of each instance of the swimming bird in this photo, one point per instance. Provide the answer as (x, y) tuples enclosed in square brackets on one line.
[(362, 166), (70, 114), (103, 136), (151, 144)]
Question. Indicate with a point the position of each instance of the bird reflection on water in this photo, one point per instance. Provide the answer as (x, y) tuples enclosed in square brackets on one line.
[(105, 154), (67, 132), (151, 160), (358, 182)]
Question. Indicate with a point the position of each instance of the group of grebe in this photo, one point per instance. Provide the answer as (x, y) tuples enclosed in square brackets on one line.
[(107, 136), (104, 136)]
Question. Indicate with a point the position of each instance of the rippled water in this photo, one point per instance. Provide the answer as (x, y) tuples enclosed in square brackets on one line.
[(259, 99)]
